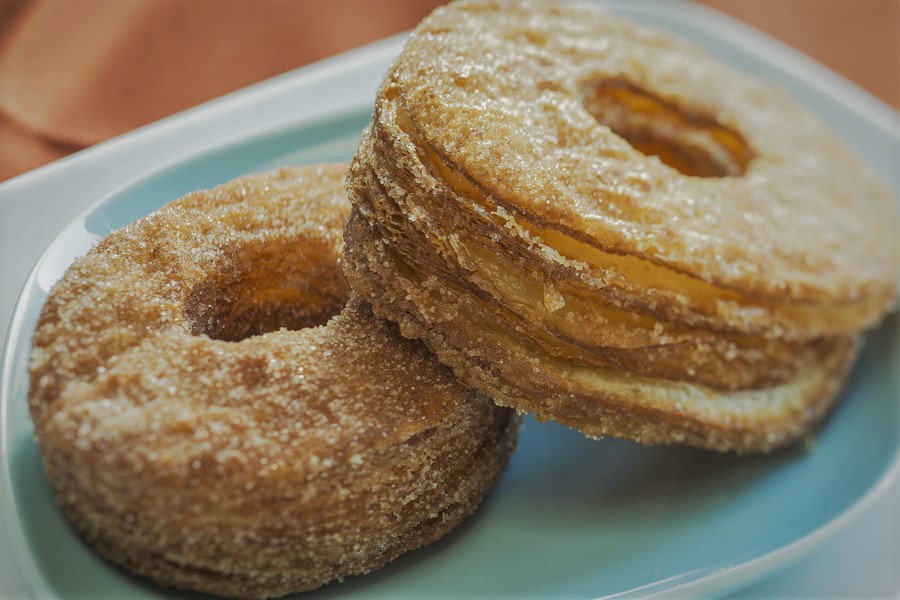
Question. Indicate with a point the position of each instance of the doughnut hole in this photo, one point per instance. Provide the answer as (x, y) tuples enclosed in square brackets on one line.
[(260, 288), (688, 140)]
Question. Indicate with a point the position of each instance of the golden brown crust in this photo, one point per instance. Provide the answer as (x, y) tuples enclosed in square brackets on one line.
[(505, 195), (598, 401), (502, 90), (193, 440), (587, 324)]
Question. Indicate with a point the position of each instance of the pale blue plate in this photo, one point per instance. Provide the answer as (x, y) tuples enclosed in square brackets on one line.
[(571, 517)]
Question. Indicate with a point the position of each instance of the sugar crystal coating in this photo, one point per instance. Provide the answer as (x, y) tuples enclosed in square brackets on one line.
[(217, 412), (595, 222)]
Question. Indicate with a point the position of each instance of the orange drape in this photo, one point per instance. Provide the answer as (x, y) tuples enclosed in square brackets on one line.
[(73, 73)]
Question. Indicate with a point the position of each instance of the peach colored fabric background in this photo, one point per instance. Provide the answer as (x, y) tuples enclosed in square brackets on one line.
[(75, 72)]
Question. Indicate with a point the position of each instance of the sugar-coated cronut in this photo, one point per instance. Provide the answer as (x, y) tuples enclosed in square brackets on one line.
[(207, 423), (595, 222)]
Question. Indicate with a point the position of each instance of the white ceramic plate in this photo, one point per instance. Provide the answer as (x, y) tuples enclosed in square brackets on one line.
[(571, 517)]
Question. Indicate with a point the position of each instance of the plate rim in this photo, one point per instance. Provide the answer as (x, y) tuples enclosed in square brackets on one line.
[(686, 583), (747, 39)]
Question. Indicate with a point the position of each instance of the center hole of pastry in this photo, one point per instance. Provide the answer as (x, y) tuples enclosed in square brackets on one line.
[(690, 141), (267, 287)]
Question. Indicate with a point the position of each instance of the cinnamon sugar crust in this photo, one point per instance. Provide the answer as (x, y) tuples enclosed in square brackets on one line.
[(216, 410), (593, 197), (520, 98)]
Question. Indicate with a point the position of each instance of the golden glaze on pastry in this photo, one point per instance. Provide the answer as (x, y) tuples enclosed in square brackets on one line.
[(581, 194), (207, 423)]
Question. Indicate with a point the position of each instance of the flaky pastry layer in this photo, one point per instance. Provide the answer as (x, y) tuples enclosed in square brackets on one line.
[(466, 335), (598, 202)]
